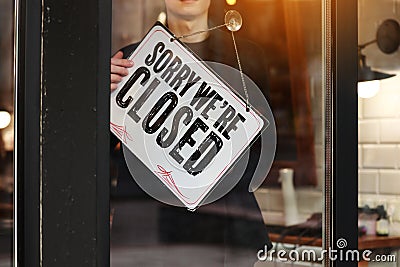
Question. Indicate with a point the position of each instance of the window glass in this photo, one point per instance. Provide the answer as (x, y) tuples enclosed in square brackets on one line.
[(232, 230), (378, 118)]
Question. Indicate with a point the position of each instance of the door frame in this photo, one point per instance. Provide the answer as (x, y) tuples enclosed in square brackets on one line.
[(38, 25)]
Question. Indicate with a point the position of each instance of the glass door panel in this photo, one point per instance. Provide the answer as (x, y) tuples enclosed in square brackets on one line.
[(233, 230)]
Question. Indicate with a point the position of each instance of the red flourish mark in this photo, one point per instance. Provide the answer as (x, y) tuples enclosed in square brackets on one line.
[(121, 132), (167, 177)]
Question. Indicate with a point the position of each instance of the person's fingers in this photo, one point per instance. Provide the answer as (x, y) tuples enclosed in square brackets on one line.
[(113, 86), (121, 62), (115, 78), (119, 69), (118, 60), (122, 71), (119, 54)]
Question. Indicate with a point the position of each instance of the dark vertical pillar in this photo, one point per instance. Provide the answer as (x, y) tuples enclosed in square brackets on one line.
[(103, 133), (27, 131), (75, 93), (63, 133), (345, 142)]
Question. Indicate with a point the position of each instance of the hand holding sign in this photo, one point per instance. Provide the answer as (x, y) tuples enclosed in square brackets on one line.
[(119, 69)]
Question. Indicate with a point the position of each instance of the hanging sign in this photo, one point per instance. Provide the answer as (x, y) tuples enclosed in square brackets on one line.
[(184, 123)]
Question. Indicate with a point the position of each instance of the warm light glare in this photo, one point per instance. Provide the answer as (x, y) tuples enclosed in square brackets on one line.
[(231, 2), (368, 89), (5, 119)]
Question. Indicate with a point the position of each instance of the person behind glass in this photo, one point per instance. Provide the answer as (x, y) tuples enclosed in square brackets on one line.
[(238, 222)]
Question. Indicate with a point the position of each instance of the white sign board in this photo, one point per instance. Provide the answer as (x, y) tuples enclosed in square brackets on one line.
[(183, 122)]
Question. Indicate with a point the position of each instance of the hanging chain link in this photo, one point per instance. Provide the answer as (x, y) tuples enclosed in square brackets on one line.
[(199, 32), (241, 73)]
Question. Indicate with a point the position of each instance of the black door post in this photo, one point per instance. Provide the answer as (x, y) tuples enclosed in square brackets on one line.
[(62, 132)]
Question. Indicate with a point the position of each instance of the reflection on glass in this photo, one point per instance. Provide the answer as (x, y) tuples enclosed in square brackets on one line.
[(378, 120), (6, 131), (148, 233)]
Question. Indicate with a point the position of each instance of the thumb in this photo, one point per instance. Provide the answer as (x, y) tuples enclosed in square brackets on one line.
[(118, 55)]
